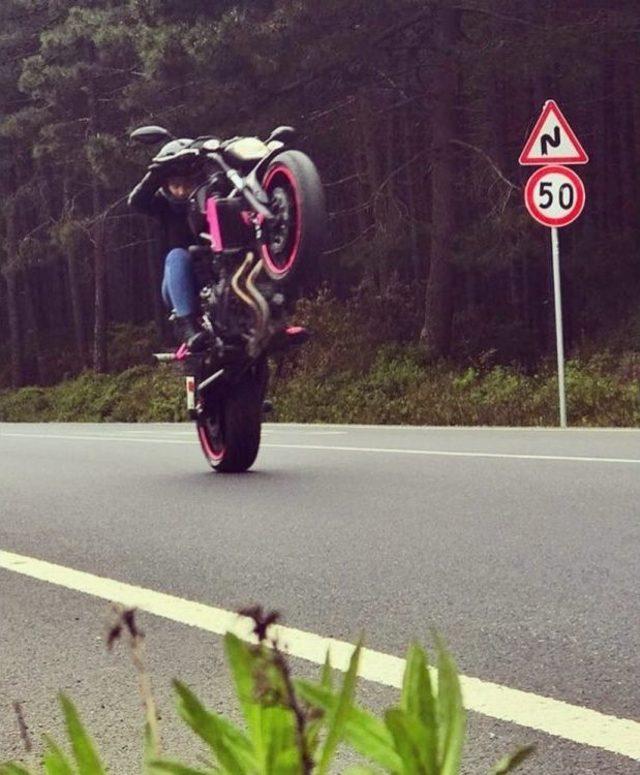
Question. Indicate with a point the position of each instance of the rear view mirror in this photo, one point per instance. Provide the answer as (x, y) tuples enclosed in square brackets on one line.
[(283, 134), (150, 135)]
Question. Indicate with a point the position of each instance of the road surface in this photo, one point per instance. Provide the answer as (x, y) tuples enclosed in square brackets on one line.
[(519, 546)]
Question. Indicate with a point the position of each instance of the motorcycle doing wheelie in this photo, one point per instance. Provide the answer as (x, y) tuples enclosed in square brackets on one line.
[(258, 232)]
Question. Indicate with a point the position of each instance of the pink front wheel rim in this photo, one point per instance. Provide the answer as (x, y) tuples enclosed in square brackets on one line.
[(282, 271)]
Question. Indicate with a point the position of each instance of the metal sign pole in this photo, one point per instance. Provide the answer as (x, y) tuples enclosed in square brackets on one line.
[(555, 197), (555, 251)]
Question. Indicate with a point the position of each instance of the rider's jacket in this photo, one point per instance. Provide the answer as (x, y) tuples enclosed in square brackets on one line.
[(147, 198)]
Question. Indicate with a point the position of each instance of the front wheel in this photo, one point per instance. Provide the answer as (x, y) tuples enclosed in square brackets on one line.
[(229, 428), (295, 238)]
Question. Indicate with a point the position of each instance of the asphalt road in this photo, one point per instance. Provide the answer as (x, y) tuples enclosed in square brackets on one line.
[(519, 546)]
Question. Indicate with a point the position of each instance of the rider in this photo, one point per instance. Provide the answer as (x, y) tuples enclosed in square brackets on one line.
[(163, 193)]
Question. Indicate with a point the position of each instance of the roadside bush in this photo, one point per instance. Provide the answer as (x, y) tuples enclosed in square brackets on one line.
[(130, 345), (293, 726), (140, 394), (399, 388), (353, 371), (599, 388)]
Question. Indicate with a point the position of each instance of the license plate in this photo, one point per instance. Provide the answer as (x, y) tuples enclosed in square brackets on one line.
[(191, 392)]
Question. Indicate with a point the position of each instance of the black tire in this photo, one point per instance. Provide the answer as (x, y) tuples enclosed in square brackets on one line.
[(229, 432), (296, 240)]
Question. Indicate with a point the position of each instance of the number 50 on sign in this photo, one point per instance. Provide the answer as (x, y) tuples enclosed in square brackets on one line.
[(554, 195)]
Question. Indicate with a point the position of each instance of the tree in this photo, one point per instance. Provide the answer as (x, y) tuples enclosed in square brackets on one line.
[(415, 113)]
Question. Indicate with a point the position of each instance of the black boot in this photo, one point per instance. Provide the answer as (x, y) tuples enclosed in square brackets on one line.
[(190, 333)]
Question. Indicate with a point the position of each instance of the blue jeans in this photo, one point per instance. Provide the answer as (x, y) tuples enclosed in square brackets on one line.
[(179, 283)]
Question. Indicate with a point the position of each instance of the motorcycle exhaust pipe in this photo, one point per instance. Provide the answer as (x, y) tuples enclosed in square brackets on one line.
[(254, 299), (260, 300), (235, 284)]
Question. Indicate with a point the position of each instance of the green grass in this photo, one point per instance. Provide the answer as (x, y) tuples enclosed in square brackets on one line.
[(361, 366), (139, 394), (291, 726), (397, 388)]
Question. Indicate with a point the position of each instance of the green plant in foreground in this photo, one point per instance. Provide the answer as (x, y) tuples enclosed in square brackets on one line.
[(294, 726)]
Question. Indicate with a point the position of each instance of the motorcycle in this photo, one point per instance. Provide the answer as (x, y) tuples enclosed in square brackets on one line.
[(259, 217)]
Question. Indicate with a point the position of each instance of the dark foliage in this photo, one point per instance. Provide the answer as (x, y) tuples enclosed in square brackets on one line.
[(415, 112)]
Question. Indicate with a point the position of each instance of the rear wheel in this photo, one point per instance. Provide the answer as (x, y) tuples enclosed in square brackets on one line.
[(229, 429), (296, 197)]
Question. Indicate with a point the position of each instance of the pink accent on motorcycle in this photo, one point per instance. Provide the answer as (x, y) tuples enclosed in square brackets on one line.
[(214, 224), (207, 447), (293, 330), (281, 271), (182, 352)]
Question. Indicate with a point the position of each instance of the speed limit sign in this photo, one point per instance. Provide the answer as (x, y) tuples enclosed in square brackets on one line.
[(554, 195)]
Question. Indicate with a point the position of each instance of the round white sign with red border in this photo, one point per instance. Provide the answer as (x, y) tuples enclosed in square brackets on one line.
[(554, 196)]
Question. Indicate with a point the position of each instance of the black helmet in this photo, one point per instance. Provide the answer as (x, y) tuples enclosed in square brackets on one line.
[(174, 163), (171, 149)]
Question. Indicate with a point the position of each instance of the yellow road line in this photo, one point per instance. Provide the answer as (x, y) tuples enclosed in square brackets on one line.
[(571, 722)]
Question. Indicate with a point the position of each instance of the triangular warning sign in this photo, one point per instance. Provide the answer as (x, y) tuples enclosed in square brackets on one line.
[(552, 140)]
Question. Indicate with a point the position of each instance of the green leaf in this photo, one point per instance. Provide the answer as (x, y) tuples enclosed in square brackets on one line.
[(279, 736), (326, 676), (451, 715), (162, 765), (54, 760), (86, 756), (407, 736), (243, 663), (227, 742), (271, 726), (367, 734), (9, 768), (510, 762), (312, 732), (339, 713), (418, 701), (287, 762), (314, 727)]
